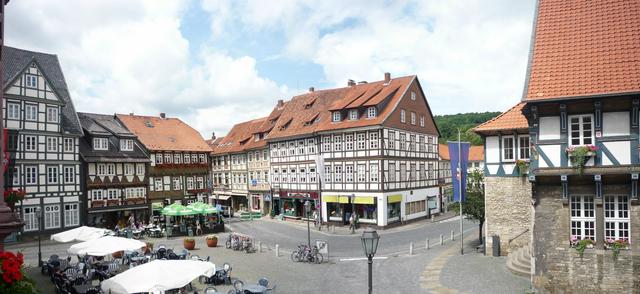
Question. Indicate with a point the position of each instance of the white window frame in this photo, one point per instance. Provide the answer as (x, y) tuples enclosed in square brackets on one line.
[(52, 175), (52, 216), (582, 215), (513, 149), (15, 177), (373, 140), (111, 169), (176, 183), (31, 81), (203, 158), (31, 175), (413, 118), (413, 95), (189, 183), (337, 174), (69, 174), (126, 144), (30, 146), (71, 214), (101, 169), (187, 159), (52, 144), (371, 112), (30, 218), (158, 184), (100, 144), (353, 114), (581, 130), (336, 117), (140, 169), (522, 149), (68, 144), (13, 110), (158, 158), (128, 169), (348, 173), (96, 195), (168, 158), (177, 158), (31, 112), (53, 115), (403, 116), (617, 224), (422, 120), (348, 142), (373, 172)]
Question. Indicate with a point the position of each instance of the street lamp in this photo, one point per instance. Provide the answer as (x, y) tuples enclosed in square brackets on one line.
[(370, 245), (307, 207), (352, 197), (39, 216)]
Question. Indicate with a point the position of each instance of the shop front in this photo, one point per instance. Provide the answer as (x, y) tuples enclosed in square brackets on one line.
[(340, 208), (291, 203), (109, 217), (394, 208)]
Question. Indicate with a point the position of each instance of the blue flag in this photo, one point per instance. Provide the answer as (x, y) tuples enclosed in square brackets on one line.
[(456, 176)]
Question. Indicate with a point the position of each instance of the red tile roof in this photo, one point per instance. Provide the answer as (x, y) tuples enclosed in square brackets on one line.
[(476, 153), (443, 151), (512, 119), (214, 143), (164, 134), (584, 48), (311, 112), (241, 138)]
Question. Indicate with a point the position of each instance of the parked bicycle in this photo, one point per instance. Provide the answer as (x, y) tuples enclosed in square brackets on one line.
[(240, 242), (306, 254)]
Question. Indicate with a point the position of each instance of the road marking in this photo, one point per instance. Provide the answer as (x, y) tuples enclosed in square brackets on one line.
[(362, 258)]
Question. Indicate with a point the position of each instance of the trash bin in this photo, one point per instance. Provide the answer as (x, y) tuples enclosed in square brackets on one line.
[(190, 232), (496, 245), (169, 231)]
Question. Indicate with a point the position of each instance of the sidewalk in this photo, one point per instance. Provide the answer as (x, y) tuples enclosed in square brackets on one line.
[(345, 231)]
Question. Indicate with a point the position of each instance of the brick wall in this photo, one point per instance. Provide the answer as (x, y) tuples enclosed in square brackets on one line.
[(560, 269), (507, 212)]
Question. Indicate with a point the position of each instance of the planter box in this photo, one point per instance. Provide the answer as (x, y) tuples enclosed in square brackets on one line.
[(97, 203), (212, 242), (113, 202), (189, 245)]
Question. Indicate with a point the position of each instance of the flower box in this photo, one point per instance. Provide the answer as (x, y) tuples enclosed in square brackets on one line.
[(113, 202), (189, 243), (97, 203)]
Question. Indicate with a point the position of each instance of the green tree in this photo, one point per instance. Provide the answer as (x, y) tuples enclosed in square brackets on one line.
[(473, 204), (450, 123)]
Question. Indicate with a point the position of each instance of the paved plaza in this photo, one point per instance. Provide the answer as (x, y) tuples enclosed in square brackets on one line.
[(440, 269)]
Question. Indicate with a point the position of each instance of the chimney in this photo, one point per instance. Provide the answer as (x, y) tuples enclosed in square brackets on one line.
[(163, 115), (213, 135), (280, 103), (387, 77), (131, 113), (311, 89), (350, 83), (362, 82)]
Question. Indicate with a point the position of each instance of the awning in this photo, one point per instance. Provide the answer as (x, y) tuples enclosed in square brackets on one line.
[(394, 198), (364, 200), (156, 205), (220, 197), (345, 199), (330, 199)]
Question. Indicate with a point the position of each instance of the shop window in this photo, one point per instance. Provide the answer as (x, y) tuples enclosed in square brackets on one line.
[(583, 217)]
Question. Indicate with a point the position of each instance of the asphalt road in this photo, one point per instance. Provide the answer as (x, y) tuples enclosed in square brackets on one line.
[(392, 242)]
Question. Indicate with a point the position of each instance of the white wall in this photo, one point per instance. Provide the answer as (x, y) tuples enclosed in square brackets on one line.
[(615, 124), (549, 128), (619, 150), (492, 154)]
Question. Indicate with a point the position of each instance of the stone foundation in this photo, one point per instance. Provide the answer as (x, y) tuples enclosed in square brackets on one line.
[(507, 212)]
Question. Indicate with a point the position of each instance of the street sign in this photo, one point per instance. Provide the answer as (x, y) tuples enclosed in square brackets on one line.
[(267, 197), (323, 248)]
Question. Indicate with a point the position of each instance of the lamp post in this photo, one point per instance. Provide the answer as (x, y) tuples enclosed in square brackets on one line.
[(370, 245), (307, 207), (39, 216), (352, 197)]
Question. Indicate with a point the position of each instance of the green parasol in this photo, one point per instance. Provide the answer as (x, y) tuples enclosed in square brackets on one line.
[(176, 209), (203, 208)]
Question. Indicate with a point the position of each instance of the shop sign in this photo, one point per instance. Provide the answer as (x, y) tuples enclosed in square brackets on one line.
[(267, 197)]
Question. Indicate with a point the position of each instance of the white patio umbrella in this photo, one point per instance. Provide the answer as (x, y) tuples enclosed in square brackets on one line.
[(83, 233), (105, 245), (158, 275)]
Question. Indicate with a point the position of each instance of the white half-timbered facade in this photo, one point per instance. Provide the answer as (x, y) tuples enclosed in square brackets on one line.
[(42, 140)]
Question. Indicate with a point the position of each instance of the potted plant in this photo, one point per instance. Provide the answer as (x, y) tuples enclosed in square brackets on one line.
[(579, 155), (523, 166), (11, 197), (581, 244), (616, 245), (212, 241), (148, 248), (13, 278), (189, 243)]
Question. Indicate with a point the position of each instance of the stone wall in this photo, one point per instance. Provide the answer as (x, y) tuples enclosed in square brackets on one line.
[(507, 212), (559, 268)]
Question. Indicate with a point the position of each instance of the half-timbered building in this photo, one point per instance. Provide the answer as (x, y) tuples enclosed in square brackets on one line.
[(42, 131), (114, 172), (179, 156), (562, 166), (368, 148)]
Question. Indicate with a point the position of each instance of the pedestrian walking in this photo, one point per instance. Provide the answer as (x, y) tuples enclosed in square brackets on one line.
[(352, 221), (198, 228), (315, 218)]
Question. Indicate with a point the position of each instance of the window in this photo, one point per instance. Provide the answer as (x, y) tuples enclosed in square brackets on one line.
[(52, 144), (523, 147), (101, 169), (71, 215), (158, 184), (31, 175), (189, 183), (338, 173), (52, 114), (31, 112), (348, 169), (326, 144), (30, 143), (508, 149), (96, 195), (362, 173), (128, 169), (12, 141), (168, 158), (312, 175), (362, 142), (403, 142), (336, 116), (616, 217), (100, 144), (327, 174), (422, 120), (111, 169), (432, 171), (187, 159), (412, 172), (348, 142), (413, 95), (412, 142), (68, 145), (52, 174), (30, 217), (69, 174), (177, 158), (373, 140), (403, 116), (373, 172), (15, 176), (353, 114), (31, 81), (403, 172), (392, 172), (113, 194), (371, 112), (392, 140), (176, 183), (126, 145), (158, 158), (581, 129), (413, 118), (51, 216), (583, 217), (337, 143), (140, 169), (13, 111)]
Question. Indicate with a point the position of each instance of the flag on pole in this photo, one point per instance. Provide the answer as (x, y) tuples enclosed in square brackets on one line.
[(459, 154)]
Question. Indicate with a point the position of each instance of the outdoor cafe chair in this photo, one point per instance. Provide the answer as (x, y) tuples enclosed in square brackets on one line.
[(263, 282), (71, 273), (210, 290)]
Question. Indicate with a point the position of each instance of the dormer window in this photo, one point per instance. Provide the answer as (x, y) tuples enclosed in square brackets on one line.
[(336, 116), (371, 112), (100, 144), (126, 145), (353, 114), (31, 81)]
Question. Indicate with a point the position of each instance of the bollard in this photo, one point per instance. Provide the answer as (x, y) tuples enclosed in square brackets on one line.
[(452, 236), (333, 229), (426, 244), (277, 250), (441, 240), (259, 246), (433, 218), (411, 248)]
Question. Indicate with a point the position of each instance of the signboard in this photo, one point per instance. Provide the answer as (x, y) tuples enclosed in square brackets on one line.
[(323, 248), (267, 197), (298, 195), (254, 182)]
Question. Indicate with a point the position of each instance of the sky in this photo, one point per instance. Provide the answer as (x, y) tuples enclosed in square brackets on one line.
[(215, 63)]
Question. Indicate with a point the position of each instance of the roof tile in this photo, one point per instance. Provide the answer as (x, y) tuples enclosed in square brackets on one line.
[(164, 134), (512, 119)]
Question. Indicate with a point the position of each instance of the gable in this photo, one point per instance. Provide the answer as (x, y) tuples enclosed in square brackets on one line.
[(31, 82), (419, 106)]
